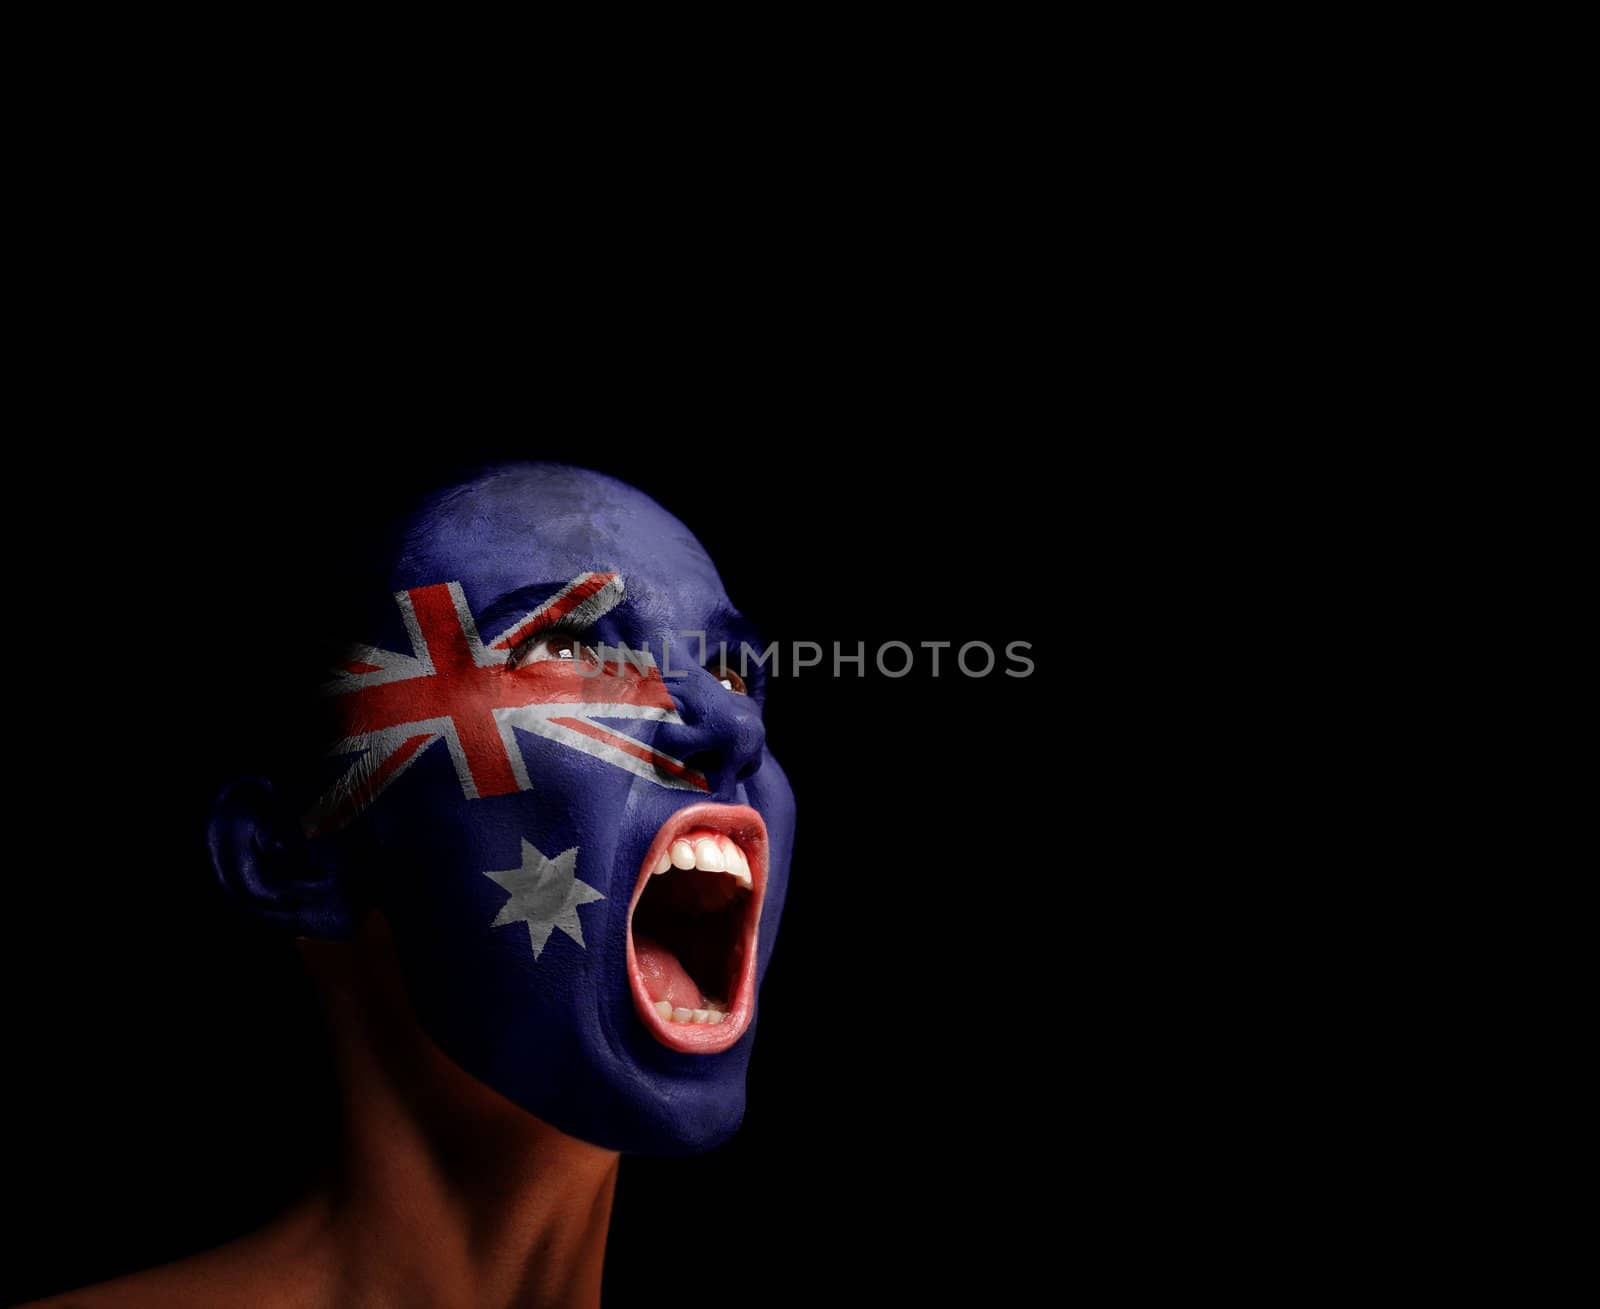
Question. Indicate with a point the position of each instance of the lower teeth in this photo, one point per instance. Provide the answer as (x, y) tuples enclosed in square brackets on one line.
[(707, 1015)]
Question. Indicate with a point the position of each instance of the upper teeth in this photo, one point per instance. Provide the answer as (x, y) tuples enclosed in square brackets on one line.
[(710, 851)]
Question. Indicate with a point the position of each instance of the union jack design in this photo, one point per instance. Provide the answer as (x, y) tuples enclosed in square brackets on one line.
[(456, 688)]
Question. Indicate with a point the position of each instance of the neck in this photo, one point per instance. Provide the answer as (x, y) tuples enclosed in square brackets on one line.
[(446, 1193)]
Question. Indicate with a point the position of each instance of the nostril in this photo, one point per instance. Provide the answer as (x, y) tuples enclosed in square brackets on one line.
[(708, 763), (749, 770)]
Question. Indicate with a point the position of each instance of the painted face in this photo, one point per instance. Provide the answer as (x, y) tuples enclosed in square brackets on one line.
[(582, 853)]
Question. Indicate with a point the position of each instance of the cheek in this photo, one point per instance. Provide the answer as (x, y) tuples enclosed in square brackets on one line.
[(507, 924), (771, 795), (444, 860)]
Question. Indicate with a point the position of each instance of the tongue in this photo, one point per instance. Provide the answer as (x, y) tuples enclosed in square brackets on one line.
[(664, 977)]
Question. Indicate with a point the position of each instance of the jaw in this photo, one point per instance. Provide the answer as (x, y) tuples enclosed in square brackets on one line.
[(693, 925)]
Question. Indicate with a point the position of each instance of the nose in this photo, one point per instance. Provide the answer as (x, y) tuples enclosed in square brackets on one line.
[(721, 736)]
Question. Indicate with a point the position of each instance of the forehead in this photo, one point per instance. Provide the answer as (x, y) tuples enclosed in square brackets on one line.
[(547, 524)]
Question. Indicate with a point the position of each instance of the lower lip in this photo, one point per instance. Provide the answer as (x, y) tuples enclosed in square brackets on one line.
[(744, 825)]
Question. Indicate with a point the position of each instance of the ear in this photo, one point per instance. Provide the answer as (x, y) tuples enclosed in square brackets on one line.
[(266, 866)]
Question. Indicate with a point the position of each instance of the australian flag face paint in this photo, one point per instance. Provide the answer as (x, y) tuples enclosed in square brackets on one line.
[(566, 811)]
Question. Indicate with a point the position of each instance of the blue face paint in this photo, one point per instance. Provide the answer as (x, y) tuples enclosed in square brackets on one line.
[(583, 862)]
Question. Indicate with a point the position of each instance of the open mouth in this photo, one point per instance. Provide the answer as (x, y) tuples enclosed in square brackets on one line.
[(692, 927)]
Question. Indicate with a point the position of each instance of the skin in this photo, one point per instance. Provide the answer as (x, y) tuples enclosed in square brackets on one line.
[(488, 1092), (444, 1193)]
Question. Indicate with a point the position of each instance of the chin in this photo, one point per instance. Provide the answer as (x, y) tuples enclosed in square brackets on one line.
[(612, 1085), (682, 1127), (648, 1114), (641, 1097)]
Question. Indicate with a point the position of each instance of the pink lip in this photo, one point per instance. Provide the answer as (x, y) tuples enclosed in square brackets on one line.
[(744, 826)]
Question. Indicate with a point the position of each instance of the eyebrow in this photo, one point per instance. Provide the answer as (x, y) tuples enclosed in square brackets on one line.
[(739, 629), (507, 609), (501, 613)]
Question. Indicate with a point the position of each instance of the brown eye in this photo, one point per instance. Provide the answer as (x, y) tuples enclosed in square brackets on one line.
[(557, 646), (730, 679)]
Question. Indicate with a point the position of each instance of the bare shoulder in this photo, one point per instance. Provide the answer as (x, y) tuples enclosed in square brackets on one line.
[(132, 1292), (255, 1272), (188, 1282), (172, 1284)]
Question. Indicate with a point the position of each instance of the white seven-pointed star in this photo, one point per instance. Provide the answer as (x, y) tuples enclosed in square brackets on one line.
[(545, 894)]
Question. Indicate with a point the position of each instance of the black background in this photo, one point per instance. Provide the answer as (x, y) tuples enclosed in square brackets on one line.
[(921, 1051)]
